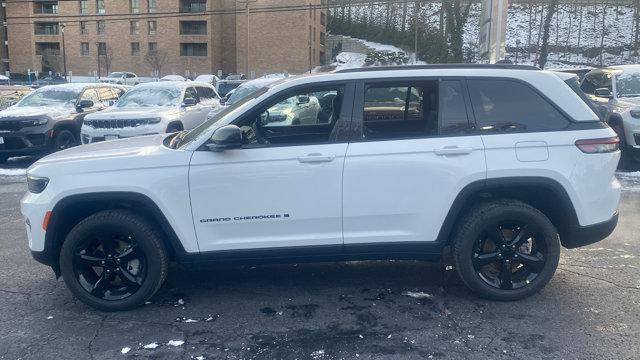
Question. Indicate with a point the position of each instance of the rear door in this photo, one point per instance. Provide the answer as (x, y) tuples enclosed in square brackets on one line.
[(415, 151), (191, 115)]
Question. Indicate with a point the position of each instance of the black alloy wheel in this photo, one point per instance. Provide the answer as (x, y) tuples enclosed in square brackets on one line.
[(505, 249), (509, 255), (63, 139), (110, 265), (114, 260)]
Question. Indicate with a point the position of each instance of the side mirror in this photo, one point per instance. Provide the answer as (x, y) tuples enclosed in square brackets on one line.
[(303, 99), (603, 92), (84, 104), (189, 102), (223, 100), (226, 137)]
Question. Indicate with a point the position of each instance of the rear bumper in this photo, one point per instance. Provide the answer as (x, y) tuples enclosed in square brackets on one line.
[(586, 235)]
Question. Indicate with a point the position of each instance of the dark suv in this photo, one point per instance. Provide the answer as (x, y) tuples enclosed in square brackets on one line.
[(49, 119)]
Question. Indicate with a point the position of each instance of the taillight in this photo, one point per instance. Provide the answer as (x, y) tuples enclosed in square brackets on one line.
[(598, 146)]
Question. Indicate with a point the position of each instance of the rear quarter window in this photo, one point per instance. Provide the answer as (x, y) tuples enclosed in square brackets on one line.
[(506, 105)]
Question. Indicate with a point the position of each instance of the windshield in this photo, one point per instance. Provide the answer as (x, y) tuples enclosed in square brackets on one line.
[(225, 87), (222, 118), (47, 97), (628, 84), (150, 97), (116, 75)]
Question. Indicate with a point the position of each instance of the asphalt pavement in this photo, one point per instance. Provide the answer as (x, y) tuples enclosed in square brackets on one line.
[(346, 310)]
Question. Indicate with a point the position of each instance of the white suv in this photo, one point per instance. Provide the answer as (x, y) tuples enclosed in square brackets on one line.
[(121, 78), (152, 108), (503, 164), (616, 90)]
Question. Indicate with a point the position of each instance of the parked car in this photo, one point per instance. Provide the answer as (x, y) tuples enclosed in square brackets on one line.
[(11, 94), (4, 80), (616, 91), (152, 108), (49, 118), (121, 78), (223, 87), (580, 72), (49, 80), (207, 79), (502, 164), (243, 90), (173, 78)]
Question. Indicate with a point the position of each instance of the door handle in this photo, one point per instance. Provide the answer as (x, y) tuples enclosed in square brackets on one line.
[(316, 158), (453, 150)]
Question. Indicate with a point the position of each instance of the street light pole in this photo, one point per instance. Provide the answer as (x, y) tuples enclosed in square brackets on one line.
[(98, 58), (64, 53), (247, 4)]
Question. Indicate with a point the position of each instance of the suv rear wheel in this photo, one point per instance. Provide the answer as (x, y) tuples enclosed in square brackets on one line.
[(63, 139), (113, 260), (506, 250)]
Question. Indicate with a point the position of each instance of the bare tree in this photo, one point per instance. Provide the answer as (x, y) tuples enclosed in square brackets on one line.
[(106, 59), (581, 10), (456, 18), (603, 33), (404, 16), (636, 33), (544, 48), (156, 60)]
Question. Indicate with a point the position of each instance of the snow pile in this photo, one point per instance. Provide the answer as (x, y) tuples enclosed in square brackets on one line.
[(417, 295), (13, 172)]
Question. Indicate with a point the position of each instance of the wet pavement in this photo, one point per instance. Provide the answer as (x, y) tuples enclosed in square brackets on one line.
[(353, 310)]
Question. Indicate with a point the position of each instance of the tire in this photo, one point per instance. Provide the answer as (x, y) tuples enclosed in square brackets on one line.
[(520, 268), (132, 275), (64, 139)]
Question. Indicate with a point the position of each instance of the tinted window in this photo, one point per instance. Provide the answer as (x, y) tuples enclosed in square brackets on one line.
[(503, 105), (400, 111), (205, 93), (302, 117), (191, 93), (453, 111), (596, 80)]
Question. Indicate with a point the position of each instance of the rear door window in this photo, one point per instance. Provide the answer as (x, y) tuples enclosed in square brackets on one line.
[(505, 105), (453, 110)]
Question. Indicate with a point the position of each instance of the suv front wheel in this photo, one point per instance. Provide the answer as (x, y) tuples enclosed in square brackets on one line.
[(506, 250), (113, 260)]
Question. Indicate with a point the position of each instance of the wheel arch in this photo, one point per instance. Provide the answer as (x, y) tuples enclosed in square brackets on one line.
[(69, 211), (545, 194)]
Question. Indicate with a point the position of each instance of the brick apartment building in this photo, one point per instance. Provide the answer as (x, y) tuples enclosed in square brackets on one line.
[(192, 36)]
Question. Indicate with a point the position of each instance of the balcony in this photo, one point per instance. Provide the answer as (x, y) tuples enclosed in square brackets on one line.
[(193, 28), (46, 28), (193, 6), (45, 7)]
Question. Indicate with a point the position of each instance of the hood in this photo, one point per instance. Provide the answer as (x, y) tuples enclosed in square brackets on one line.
[(114, 112), (37, 111), (105, 150)]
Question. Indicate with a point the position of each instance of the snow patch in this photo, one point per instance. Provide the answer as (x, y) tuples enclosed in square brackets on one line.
[(125, 350), (175, 343), (13, 172), (153, 345), (417, 295)]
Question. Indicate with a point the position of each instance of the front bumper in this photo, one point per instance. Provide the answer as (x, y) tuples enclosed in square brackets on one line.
[(92, 135), (586, 235), (24, 143)]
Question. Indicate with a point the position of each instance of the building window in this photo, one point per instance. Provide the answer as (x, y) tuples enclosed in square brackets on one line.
[(102, 48), (134, 6), (193, 6), (83, 28), (314, 34), (193, 27), (151, 6), (134, 27), (323, 38), (84, 49), (153, 47), (84, 7), (47, 48), (193, 49), (153, 27), (46, 28), (100, 9), (135, 48), (45, 7), (101, 27)]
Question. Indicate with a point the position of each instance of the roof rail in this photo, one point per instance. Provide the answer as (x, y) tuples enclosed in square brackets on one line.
[(440, 66)]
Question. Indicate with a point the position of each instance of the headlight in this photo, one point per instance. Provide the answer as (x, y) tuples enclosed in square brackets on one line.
[(635, 114), (37, 184), (36, 122), (154, 120)]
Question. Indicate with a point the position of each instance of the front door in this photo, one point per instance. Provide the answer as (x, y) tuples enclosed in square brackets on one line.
[(416, 152), (284, 187)]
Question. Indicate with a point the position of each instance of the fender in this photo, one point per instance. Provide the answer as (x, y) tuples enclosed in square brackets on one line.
[(566, 218)]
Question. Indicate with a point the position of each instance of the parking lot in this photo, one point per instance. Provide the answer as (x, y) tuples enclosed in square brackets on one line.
[(381, 310)]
